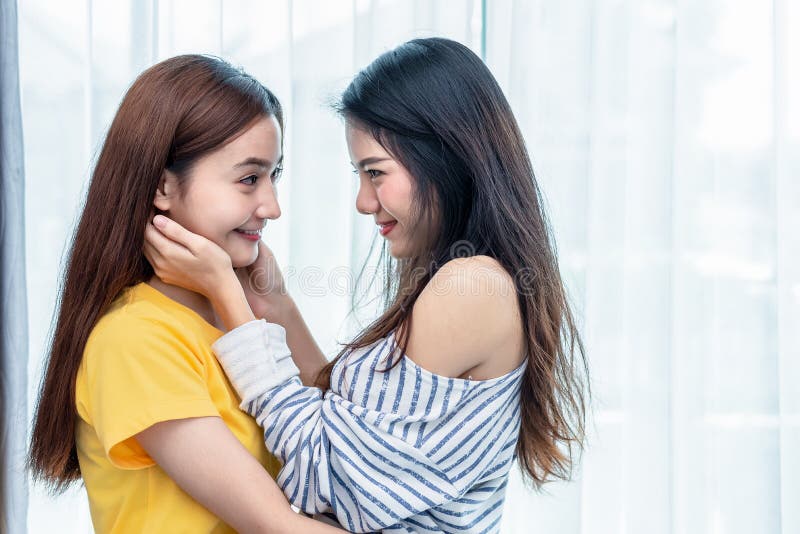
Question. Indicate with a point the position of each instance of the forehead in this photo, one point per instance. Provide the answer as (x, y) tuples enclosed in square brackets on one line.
[(262, 139), (362, 144)]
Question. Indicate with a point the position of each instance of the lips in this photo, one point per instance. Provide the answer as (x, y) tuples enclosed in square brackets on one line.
[(387, 227), (250, 235)]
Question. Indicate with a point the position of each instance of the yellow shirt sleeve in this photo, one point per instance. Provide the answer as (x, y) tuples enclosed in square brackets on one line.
[(140, 372)]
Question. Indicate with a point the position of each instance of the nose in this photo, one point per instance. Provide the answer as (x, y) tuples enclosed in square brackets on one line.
[(268, 207), (366, 200)]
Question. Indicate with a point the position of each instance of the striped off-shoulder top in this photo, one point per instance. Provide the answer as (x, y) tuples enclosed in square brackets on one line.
[(397, 450)]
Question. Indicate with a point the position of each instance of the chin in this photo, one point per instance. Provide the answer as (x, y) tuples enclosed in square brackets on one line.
[(244, 259), (398, 252), (245, 263)]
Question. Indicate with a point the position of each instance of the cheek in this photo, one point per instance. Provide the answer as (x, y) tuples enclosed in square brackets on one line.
[(204, 213), (396, 197)]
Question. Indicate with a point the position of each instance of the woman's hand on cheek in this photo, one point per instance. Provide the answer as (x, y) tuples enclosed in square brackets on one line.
[(263, 284), (182, 258)]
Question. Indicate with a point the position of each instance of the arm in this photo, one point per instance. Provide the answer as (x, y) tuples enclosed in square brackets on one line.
[(341, 454), (232, 306), (334, 455), (324, 442), (146, 395), (204, 458), (306, 354)]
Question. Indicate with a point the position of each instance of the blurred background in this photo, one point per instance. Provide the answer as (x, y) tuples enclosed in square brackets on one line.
[(666, 139)]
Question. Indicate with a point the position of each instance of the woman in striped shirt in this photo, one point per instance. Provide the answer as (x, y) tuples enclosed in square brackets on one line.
[(476, 360)]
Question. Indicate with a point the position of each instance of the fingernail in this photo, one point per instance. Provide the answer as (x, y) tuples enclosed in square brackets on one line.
[(160, 221)]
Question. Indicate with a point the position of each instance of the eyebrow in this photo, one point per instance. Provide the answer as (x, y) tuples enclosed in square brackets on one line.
[(264, 163), (369, 161)]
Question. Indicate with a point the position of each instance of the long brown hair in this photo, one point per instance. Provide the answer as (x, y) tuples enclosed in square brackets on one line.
[(175, 112), (434, 106)]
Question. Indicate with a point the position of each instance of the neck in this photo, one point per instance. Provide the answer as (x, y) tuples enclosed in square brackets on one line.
[(194, 301)]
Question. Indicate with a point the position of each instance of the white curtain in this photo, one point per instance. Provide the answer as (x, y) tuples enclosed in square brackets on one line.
[(665, 136), (13, 304)]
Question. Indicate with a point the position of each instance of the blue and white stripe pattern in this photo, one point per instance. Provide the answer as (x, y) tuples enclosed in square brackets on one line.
[(398, 451)]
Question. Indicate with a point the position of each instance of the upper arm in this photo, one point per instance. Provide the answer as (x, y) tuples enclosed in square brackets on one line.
[(467, 318), (207, 461)]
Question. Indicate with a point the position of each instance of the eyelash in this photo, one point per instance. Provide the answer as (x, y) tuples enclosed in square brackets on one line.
[(275, 176), (370, 171)]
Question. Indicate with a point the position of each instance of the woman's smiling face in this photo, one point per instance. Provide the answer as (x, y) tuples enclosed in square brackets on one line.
[(229, 194), (385, 191)]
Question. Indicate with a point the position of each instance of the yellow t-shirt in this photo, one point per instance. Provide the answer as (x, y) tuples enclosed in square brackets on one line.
[(147, 360)]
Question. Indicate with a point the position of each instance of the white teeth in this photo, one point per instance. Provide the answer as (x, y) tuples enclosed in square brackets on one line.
[(250, 232)]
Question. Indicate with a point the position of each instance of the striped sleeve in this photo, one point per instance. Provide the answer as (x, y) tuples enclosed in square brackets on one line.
[(342, 456)]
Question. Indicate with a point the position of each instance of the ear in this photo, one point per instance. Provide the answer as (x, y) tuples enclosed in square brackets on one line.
[(166, 191)]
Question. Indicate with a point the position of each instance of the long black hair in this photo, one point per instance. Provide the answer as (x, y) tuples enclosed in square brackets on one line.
[(434, 105)]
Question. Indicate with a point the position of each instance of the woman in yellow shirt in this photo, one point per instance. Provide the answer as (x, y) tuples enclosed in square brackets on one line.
[(133, 401)]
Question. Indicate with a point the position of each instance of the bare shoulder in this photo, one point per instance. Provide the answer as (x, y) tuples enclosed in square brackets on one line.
[(467, 320), (483, 269)]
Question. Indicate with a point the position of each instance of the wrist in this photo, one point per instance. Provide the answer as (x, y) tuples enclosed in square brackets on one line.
[(231, 305), (223, 287), (279, 308)]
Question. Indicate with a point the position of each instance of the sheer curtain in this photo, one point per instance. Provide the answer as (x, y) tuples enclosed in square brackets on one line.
[(13, 310), (664, 136)]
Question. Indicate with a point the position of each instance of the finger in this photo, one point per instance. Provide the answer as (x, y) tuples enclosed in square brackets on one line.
[(162, 242), (168, 251), (151, 253), (178, 234), (152, 236), (263, 250)]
